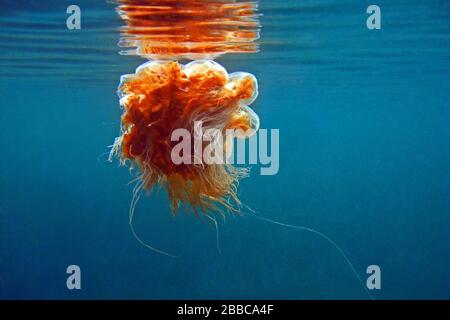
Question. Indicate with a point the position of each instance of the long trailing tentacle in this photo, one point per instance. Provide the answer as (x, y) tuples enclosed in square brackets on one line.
[(142, 242), (320, 234), (216, 225), (137, 192)]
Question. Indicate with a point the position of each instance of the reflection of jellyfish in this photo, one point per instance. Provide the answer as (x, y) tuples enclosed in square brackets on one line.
[(164, 96), (192, 29)]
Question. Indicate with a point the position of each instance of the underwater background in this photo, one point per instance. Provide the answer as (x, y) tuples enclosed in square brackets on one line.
[(364, 158)]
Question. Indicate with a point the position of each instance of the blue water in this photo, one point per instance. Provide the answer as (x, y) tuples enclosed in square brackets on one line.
[(364, 158)]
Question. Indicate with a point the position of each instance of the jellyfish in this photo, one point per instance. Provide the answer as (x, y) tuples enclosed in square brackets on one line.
[(163, 96)]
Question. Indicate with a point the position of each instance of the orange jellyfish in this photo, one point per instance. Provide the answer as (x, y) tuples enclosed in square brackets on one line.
[(164, 95)]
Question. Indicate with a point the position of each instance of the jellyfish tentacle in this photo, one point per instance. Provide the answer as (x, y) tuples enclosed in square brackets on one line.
[(216, 225), (323, 236), (146, 245)]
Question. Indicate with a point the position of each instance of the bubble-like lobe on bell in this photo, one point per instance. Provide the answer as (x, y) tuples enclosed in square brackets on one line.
[(123, 79), (201, 68), (235, 80), (246, 123), (254, 119)]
